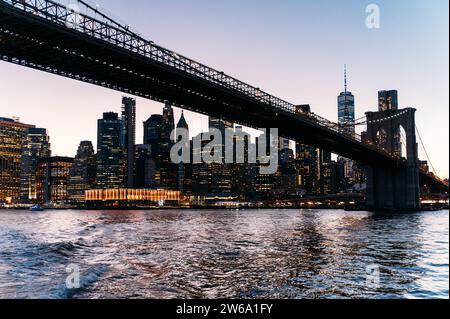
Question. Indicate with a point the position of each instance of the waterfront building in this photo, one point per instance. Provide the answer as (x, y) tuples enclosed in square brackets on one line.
[(133, 197), (12, 136), (110, 154), (128, 138), (53, 174), (82, 173), (36, 146), (331, 177)]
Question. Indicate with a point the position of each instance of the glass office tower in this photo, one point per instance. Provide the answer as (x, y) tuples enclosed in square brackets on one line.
[(12, 136), (36, 146), (110, 168)]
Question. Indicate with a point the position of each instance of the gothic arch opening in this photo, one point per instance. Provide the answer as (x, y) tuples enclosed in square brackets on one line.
[(381, 138), (402, 140)]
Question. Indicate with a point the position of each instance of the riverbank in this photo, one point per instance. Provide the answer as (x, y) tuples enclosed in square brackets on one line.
[(350, 208)]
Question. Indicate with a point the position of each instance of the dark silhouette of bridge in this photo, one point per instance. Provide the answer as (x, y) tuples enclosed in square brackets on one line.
[(93, 48)]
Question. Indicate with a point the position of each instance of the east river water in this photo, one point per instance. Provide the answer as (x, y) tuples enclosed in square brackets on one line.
[(224, 254)]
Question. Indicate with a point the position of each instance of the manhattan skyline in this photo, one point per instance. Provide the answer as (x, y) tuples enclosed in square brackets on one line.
[(308, 70)]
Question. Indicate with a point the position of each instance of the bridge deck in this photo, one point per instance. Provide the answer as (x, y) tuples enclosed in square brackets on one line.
[(36, 35)]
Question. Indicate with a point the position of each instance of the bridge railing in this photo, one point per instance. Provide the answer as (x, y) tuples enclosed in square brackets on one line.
[(110, 31), (120, 36)]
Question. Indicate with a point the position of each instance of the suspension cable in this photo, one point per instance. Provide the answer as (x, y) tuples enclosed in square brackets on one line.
[(425, 150)]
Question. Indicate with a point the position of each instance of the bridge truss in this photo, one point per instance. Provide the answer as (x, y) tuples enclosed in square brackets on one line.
[(101, 27)]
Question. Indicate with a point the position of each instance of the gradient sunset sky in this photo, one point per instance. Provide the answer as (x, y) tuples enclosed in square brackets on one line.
[(293, 49)]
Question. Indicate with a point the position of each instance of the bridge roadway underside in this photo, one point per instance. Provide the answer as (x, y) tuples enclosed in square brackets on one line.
[(34, 42)]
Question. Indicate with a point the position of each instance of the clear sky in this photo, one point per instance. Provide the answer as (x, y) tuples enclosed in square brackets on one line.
[(294, 49)]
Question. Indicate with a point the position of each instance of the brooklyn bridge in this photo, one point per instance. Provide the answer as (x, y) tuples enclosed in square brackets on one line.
[(89, 46)]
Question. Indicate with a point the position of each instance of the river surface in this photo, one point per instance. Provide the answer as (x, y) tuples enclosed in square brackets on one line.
[(223, 254)]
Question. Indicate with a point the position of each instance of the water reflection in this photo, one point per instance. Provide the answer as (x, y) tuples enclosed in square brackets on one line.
[(224, 254)]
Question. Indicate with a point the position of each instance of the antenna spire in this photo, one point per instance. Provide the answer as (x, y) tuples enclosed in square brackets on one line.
[(345, 78)]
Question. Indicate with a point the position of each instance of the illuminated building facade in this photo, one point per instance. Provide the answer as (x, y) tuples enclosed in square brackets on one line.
[(346, 119), (169, 170), (152, 138), (82, 172), (306, 162), (184, 178), (128, 138), (201, 174), (36, 146), (220, 174), (12, 136), (127, 197), (264, 183), (110, 154), (388, 101), (243, 174), (53, 174), (346, 110)]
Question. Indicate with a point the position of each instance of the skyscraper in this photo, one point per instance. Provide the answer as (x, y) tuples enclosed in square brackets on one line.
[(128, 137), (387, 100), (153, 138), (243, 174), (346, 110), (182, 123), (36, 146), (286, 179), (153, 129), (201, 173), (168, 124), (168, 169), (331, 174), (144, 167), (220, 124), (264, 183), (184, 169), (82, 173), (306, 161), (12, 136), (346, 119), (53, 173), (110, 168), (220, 172)]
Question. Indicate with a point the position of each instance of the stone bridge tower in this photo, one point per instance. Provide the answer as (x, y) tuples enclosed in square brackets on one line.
[(393, 188)]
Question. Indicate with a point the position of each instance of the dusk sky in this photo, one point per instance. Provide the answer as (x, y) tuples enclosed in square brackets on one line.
[(292, 49)]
